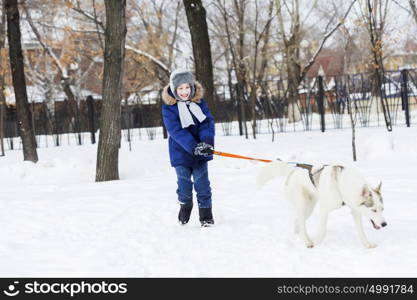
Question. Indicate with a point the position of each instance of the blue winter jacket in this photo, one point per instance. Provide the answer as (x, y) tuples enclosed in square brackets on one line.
[(182, 141)]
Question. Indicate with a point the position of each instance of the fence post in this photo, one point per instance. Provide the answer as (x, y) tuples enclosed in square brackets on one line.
[(404, 96), (58, 123), (78, 121), (32, 111), (15, 129), (320, 102), (239, 105), (91, 119)]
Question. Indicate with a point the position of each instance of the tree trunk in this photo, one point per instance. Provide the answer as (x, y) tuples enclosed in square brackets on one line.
[(241, 66), (292, 59), (196, 16), (293, 73), (114, 51), (2, 85), (352, 124), (19, 84)]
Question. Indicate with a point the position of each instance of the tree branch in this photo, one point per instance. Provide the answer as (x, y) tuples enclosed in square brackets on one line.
[(89, 16), (159, 63), (48, 50), (325, 38), (413, 9)]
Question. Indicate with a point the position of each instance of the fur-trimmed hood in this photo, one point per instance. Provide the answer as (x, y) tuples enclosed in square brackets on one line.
[(169, 98)]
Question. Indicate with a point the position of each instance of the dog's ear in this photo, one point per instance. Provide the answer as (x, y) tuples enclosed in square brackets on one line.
[(378, 188), (366, 199), (365, 191)]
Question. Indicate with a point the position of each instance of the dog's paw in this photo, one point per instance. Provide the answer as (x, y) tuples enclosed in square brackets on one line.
[(309, 245), (371, 245)]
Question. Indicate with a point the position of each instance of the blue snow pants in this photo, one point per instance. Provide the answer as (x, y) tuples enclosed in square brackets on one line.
[(201, 184)]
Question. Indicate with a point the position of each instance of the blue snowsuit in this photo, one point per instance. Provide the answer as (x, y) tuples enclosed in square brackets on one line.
[(182, 142)]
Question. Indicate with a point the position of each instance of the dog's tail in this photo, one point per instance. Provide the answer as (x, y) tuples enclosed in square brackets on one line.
[(272, 170)]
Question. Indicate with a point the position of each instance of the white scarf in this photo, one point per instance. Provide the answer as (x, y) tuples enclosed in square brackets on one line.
[(185, 115)]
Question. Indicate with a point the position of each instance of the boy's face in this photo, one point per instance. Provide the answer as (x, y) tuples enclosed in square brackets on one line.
[(184, 91)]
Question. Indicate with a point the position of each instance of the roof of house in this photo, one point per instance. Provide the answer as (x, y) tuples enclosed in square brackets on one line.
[(329, 61), (36, 94)]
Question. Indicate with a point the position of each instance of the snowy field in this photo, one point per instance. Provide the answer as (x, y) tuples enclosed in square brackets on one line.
[(56, 222)]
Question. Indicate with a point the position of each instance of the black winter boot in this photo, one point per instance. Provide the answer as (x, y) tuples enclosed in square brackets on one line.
[(206, 217), (185, 212)]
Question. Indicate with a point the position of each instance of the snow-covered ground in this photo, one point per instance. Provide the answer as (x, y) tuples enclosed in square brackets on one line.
[(55, 221)]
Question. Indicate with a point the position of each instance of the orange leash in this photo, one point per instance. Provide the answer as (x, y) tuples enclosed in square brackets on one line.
[(240, 156)]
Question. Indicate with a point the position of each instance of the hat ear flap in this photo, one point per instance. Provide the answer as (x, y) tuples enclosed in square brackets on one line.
[(173, 92), (192, 94)]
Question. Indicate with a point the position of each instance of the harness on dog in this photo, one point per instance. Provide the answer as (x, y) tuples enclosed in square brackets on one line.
[(309, 168)]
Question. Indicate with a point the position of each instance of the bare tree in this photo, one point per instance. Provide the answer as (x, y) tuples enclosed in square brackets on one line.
[(245, 44), (61, 60), (196, 16), (19, 83), (233, 16), (66, 80), (296, 70), (343, 88), (374, 14), (258, 77), (114, 52)]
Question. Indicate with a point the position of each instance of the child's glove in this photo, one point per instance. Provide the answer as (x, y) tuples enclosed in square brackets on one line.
[(203, 149)]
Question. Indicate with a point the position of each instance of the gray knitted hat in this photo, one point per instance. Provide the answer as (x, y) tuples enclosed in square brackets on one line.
[(179, 77)]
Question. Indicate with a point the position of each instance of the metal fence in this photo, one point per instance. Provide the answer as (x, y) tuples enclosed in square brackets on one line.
[(322, 104)]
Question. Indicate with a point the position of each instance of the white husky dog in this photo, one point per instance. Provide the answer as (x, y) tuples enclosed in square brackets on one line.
[(332, 186)]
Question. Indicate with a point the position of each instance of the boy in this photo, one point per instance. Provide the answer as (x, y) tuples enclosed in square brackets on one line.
[(191, 140)]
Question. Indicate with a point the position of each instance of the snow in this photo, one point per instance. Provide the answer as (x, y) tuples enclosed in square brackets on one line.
[(57, 222)]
